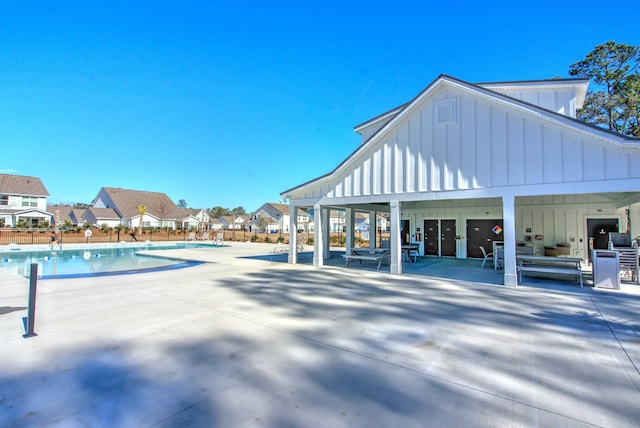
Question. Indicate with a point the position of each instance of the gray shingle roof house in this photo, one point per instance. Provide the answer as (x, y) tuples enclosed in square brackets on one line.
[(23, 199), (100, 216), (65, 213), (160, 209), (238, 222), (273, 217), (465, 165)]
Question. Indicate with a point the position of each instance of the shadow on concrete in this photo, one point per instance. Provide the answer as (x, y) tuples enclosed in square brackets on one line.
[(8, 309), (439, 267), (416, 321), (342, 347)]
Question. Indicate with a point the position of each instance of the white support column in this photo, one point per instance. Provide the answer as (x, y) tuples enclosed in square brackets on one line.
[(394, 240), (293, 234), (349, 238), (318, 235), (509, 233), (373, 228), (326, 233)]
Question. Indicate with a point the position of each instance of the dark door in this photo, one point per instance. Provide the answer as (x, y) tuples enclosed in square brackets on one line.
[(431, 237), (448, 238), (483, 232), (405, 232), (599, 229)]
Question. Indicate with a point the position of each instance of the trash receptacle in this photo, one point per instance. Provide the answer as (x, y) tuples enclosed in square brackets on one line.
[(606, 269)]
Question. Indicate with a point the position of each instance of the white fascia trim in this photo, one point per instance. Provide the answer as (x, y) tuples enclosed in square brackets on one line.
[(377, 119)]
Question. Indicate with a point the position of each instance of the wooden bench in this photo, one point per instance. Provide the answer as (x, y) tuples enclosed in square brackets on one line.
[(550, 264)]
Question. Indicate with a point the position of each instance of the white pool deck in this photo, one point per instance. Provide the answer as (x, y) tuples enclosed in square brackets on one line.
[(246, 340)]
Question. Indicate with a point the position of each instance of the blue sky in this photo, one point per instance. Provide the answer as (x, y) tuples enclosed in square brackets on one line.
[(231, 103)]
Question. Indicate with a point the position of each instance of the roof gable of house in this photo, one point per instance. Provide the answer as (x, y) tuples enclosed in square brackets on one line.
[(276, 211), (127, 202), (103, 213), (22, 185), (459, 136), (63, 212)]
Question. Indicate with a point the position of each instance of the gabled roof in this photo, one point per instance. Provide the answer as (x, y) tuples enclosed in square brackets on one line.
[(229, 218), (284, 209), (104, 213), (158, 204), (67, 213), (579, 85), (77, 214), (384, 116), (396, 115), (63, 210), (22, 185), (182, 213)]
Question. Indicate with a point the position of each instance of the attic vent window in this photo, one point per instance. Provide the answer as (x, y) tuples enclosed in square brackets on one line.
[(446, 111)]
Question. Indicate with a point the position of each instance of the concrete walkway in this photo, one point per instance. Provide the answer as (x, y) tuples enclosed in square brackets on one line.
[(247, 341)]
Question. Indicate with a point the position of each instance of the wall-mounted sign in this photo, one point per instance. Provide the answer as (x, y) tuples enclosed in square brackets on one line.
[(497, 229)]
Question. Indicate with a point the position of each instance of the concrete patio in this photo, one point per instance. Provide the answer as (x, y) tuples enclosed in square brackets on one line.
[(246, 340)]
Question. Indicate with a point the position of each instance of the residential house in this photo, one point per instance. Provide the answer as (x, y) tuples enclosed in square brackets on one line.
[(160, 209), (23, 201), (191, 221), (214, 223), (76, 216), (101, 216), (66, 214), (238, 222), (198, 219), (361, 222), (274, 218), (337, 221), (464, 165)]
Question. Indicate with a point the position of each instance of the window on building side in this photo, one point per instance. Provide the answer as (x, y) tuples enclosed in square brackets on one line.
[(29, 201)]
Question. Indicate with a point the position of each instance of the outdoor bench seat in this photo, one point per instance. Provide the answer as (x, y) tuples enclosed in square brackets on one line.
[(373, 257), (552, 265)]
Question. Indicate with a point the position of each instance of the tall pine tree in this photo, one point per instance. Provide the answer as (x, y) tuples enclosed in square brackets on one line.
[(614, 100)]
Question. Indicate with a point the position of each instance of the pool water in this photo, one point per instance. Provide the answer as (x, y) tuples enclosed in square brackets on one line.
[(88, 262)]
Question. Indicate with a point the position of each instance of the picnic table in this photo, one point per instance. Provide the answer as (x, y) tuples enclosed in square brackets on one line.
[(363, 253), (407, 249)]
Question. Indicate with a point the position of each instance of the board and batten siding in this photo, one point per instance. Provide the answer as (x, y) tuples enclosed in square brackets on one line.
[(557, 219), (489, 143)]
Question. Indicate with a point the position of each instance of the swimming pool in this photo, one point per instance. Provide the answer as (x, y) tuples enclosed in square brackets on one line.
[(86, 262)]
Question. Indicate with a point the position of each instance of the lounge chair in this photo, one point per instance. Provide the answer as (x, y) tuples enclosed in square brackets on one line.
[(300, 244), (192, 236), (280, 248), (218, 239), (203, 237)]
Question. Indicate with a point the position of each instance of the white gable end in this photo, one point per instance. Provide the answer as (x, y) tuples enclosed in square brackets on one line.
[(561, 96), (457, 138)]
